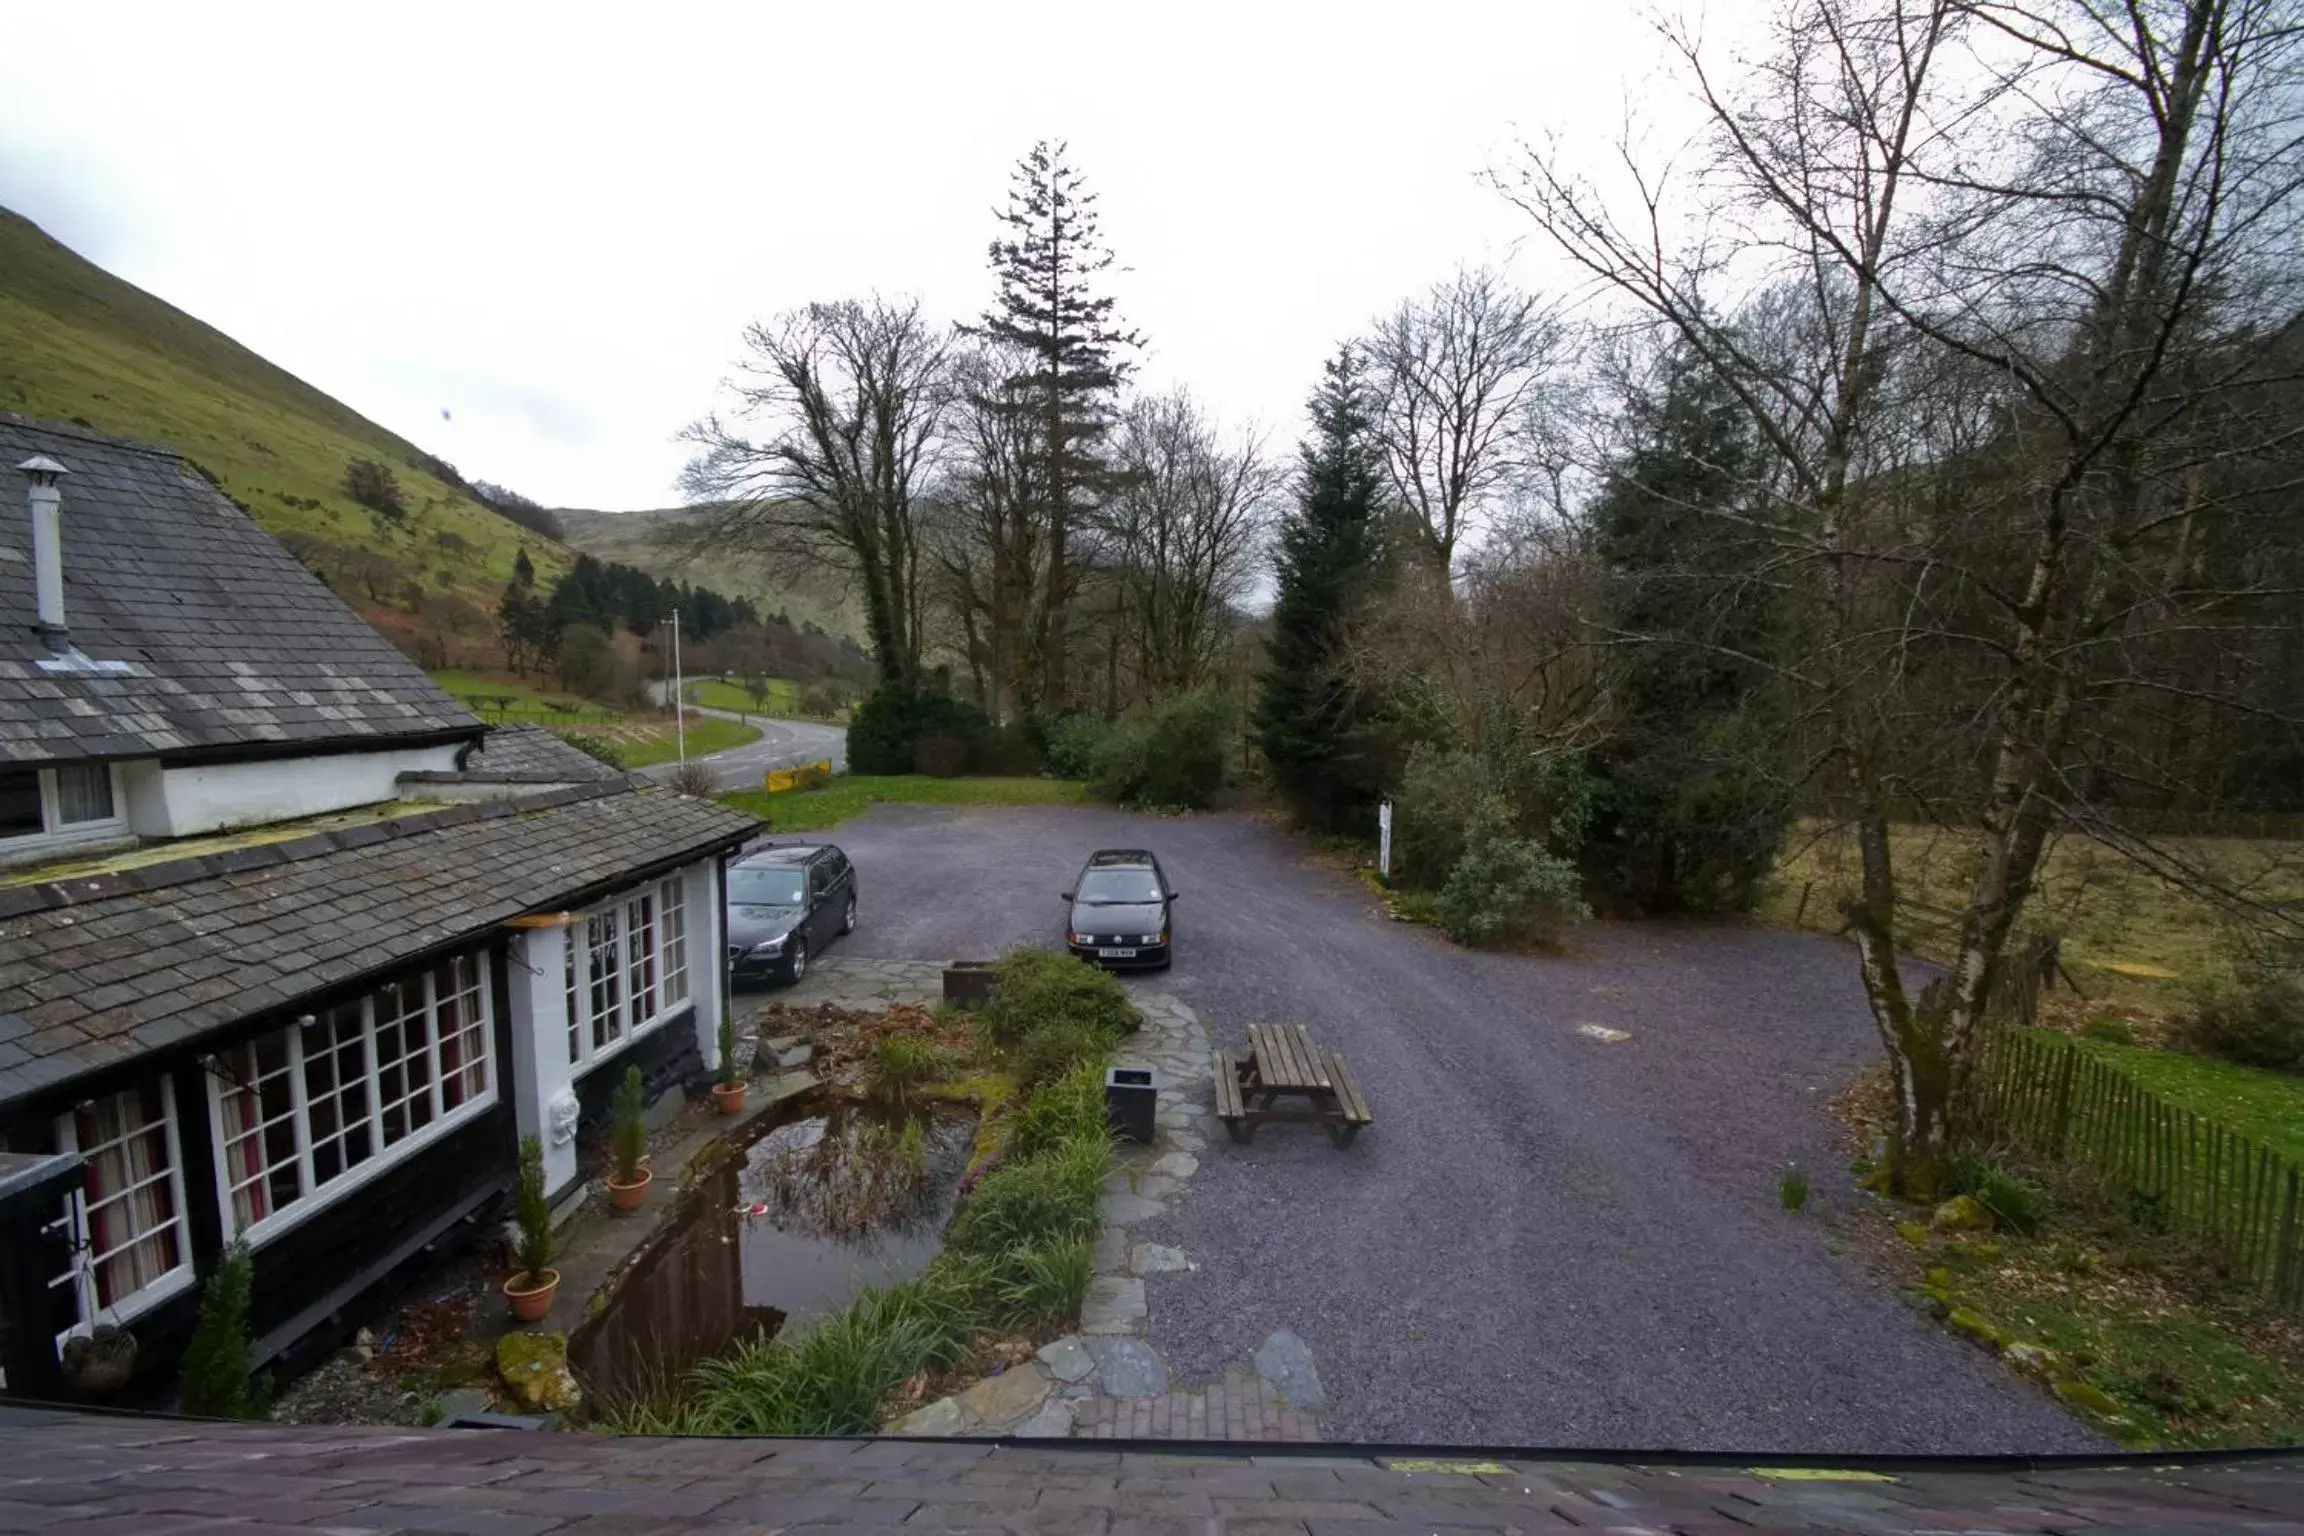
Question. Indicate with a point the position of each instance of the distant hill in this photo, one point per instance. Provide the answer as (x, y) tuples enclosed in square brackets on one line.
[(650, 540), (78, 344)]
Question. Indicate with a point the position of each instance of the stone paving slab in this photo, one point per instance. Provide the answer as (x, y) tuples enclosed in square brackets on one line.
[(88, 1475)]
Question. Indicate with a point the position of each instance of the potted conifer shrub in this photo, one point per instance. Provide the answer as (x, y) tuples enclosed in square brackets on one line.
[(729, 1092), (628, 1142), (530, 1286)]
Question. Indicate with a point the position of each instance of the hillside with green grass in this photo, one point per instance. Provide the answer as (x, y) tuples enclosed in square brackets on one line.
[(79, 345), (652, 541)]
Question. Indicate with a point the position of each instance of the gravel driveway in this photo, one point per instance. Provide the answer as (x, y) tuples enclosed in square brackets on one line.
[(1546, 1239)]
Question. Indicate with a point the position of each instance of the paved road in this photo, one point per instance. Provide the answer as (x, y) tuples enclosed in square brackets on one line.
[(1546, 1240), (782, 744)]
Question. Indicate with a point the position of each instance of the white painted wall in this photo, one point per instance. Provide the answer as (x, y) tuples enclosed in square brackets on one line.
[(707, 969), (182, 802), (540, 1070)]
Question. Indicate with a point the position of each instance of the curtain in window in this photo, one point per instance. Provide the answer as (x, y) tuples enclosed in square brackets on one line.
[(83, 793), (129, 1197)]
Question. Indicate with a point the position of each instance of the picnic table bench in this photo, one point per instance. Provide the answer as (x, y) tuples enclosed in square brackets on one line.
[(1283, 1063)]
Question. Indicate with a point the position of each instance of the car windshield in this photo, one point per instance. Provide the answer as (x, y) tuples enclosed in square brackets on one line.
[(776, 887), (1107, 887)]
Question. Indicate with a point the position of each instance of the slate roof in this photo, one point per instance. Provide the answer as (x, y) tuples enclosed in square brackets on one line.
[(100, 969), (230, 641), (124, 1472), (521, 754)]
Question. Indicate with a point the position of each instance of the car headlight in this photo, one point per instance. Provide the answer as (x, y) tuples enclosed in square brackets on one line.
[(1080, 938), (768, 947)]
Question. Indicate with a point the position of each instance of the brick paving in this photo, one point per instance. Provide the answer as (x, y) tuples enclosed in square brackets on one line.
[(88, 1475), (1242, 1406)]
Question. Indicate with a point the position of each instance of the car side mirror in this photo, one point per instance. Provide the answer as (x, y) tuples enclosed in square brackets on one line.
[(1173, 895), (1067, 895)]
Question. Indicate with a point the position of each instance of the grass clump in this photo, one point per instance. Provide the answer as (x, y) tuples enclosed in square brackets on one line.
[(1792, 1188), (899, 1066)]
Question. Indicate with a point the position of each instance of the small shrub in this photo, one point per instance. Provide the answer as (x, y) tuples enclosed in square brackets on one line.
[(1053, 1051), (1035, 990), (2015, 1204), (894, 718), (1792, 1188), (628, 1126), (900, 1065), (819, 702), (1509, 890), (2256, 1019), (940, 757), (1442, 795), (693, 778), (731, 1071), (214, 1380), (531, 1214), (1073, 744), (1005, 749), (1177, 756)]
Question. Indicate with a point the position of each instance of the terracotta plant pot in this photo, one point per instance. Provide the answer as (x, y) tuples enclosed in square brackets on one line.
[(529, 1306), (629, 1196), (730, 1099)]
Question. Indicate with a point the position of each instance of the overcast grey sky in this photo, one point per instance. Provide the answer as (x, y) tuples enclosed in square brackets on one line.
[(554, 229)]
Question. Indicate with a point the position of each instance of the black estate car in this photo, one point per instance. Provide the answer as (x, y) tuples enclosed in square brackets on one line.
[(786, 903), (1120, 909)]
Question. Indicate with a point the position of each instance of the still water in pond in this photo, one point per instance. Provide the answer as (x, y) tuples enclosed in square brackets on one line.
[(827, 1199)]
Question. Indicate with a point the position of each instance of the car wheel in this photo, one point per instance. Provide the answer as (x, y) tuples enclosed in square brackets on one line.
[(848, 916), (796, 962)]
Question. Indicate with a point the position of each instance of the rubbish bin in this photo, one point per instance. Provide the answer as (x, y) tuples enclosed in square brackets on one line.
[(1130, 1095), (968, 983)]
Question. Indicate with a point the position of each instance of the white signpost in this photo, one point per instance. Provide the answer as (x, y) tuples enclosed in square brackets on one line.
[(1384, 839)]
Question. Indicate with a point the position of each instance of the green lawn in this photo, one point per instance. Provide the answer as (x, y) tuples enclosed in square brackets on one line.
[(812, 810), (524, 696), (658, 743), (2265, 1106), (783, 697)]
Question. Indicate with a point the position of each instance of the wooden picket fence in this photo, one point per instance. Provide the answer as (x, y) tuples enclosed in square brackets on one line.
[(2040, 1093)]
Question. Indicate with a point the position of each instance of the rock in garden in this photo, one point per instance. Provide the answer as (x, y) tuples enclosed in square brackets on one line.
[(1286, 1361), (941, 1417), (2033, 1361), (1128, 1367), (1008, 1398), (1156, 1259), (1913, 1233), (1067, 1359), (535, 1368), (1962, 1213)]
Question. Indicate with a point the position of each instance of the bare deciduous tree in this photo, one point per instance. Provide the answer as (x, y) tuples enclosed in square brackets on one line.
[(1458, 376), (850, 402), (1184, 535)]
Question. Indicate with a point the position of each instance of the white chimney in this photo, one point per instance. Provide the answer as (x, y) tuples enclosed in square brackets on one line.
[(46, 503)]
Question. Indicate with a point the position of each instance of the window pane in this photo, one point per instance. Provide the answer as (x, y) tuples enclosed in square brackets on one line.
[(673, 923), (20, 803), (462, 1018), (128, 1189), (403, 1058), (258, 1103), (607, 978), (574, 935), (83, 794), (640, 952), (336, 1092)]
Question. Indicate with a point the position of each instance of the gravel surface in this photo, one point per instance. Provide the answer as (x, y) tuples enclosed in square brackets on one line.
[(1546, 1239)]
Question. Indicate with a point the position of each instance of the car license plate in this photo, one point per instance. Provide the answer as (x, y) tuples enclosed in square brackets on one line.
[(1115, 954)]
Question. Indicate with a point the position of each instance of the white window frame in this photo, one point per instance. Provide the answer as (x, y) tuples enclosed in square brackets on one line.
[(315, 1195), (81, 1277), (55, 831), (668, 922)]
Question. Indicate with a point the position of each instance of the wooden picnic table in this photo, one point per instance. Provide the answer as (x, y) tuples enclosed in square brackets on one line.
[(1283, 1063)]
